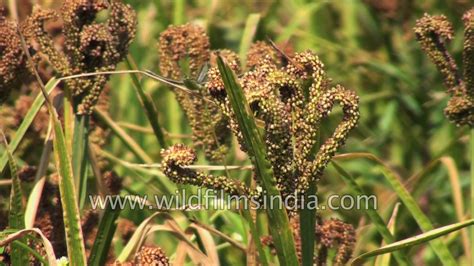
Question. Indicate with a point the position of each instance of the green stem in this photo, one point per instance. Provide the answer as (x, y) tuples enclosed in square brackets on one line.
[(148, 106)]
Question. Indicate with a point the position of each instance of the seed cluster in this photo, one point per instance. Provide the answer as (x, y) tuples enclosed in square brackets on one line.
[(177, 157), (151, 256), (335, 234), (291, 95), (184, 50), (433, 33), (257, 53), (330, 234), (12, 59), (89, 46), (113, 182), (276, 95)]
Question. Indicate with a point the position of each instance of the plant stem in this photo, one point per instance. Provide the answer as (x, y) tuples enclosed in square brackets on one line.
[(472, 195)]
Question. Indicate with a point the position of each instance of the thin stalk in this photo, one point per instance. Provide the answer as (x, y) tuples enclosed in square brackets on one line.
[(148, 106), (472, 194)]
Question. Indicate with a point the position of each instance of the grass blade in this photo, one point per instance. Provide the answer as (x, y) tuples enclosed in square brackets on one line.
[(371, 213), (46, 244), (16, 218), (394, 180), (79, 155), (148, 105), (250, 29), (136, 239), (256, 236), (392, 224), (25, 124), (25, 249), (416, 240), (126, 139), (218, 233), (40, 179), (456, 188), (178, 12), (74, 238), (308, 228), (104, 236), (280, 230)]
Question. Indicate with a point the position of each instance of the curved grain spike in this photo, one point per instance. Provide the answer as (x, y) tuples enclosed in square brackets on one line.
[(349, 102)]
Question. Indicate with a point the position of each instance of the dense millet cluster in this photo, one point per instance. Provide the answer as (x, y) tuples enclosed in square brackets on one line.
[(330, 234), (113, 182), (275, 92), (258, 51), (433, 34), (184, 51), (88, 46), (335, 234), (12, 59), (177, 157), (151, 256), (276, 95)]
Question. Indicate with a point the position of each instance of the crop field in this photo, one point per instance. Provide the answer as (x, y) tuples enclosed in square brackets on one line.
[(212, 132)]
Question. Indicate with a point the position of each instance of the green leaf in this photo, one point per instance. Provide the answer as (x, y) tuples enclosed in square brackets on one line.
[(74, 238), (123, 136), (22, 248), (371, 213), (9, 236), (438, 246), (16, 218), (149, 106), (280, 229), (392, 224), (40, 179), (307, 229), (247, 37), (256, 236), (25, 124), (416, 240), (79, 155), (137, 238), (178, 12), (104, 236)]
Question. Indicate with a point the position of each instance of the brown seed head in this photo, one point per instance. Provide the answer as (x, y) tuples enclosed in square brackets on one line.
[(12, 59), (179, 44), (151, 256), (336, 234), (113, 182)]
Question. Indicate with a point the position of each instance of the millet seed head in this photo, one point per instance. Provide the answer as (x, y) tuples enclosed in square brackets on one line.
[(180, 43), (88, 46), (258, 52), (12, 58), (468, 52), (151, 256), (433, 33), (337, 235)]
